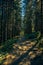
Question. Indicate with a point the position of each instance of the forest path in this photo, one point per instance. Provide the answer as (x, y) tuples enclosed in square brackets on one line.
[(23, 53), (30, 51)]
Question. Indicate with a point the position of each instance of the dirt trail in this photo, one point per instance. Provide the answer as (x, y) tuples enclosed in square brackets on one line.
[(25, 51)]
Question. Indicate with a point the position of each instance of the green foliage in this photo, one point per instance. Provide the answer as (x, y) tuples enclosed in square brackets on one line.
[(34, 35), (7, 45)]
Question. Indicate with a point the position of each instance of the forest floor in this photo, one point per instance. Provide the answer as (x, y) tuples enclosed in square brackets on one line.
[(24, 53)]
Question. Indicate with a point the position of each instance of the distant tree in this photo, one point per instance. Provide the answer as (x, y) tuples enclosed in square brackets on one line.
[(38, 22)]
